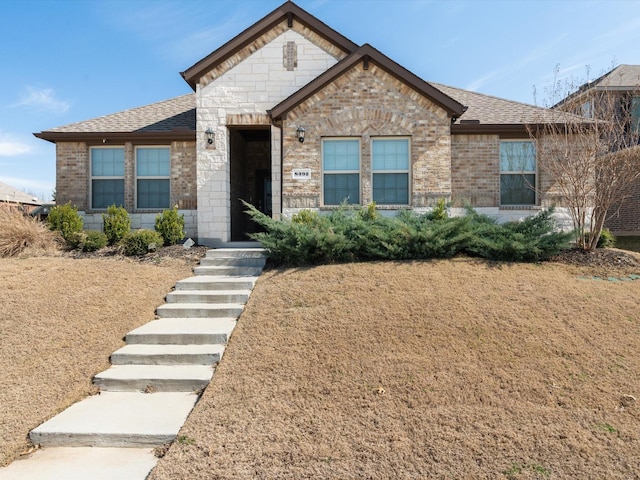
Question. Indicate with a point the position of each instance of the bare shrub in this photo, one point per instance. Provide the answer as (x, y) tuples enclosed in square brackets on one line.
[(20, 233)]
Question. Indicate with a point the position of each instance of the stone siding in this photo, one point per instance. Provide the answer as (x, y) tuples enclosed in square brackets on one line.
[(242, 88)]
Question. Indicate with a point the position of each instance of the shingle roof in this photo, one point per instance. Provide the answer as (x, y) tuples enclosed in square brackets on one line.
[(489, 110), (174, 115), (11, 194), (623, 76)]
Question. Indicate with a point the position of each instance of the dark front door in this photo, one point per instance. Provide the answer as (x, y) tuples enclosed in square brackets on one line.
[(250, 176)]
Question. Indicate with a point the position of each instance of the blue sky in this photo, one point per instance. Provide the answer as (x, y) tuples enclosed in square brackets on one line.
[(63, 61)]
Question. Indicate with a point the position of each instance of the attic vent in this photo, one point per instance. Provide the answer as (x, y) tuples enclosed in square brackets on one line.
[(290, 56)]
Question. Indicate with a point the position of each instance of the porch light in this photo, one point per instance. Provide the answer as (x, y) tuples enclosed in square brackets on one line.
[(300, 132), (210, 136)]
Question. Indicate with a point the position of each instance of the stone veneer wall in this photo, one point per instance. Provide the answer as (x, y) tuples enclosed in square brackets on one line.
[(73, 184), (239, 91), (366, 104)]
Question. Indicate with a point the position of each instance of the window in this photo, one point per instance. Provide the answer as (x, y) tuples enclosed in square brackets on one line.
[(341, 171), (517, 173), (635, 115), (390, 164), (107, 177), (152, 178)]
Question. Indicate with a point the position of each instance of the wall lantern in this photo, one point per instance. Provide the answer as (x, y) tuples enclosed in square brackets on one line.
[(210, 136), (300, 132)]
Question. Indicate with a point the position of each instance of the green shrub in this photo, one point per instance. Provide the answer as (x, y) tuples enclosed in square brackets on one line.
[(439, 212), (348, 235), (116, 224), (305, 217), (141, 242), (93, 240), (606, 239), (170, 225), (66, 220)]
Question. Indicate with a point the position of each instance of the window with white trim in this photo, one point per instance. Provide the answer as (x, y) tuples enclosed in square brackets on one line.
[(107, 177), (517, 173), (390, 167), (153, 172), (341, 171)]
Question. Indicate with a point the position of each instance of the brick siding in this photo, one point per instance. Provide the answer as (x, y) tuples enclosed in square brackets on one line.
[(365, 104)]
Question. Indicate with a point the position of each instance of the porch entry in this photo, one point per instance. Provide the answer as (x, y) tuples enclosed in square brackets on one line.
[(250, 172)]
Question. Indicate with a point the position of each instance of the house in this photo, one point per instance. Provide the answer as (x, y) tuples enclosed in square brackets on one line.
[(13, 199), (292, 115), (615, 96)]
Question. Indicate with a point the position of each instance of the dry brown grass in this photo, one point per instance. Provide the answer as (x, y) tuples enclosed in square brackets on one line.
[(443, 369), (60, 319), (20, 233)]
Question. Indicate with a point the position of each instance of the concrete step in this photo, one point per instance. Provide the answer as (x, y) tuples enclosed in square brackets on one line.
[(138, 354), (156, 378), (234, 261), (212, 282), (236, 252), (183, 331), (227, 271), (199, 310), (67, 463), (117, 419), (208, 296)]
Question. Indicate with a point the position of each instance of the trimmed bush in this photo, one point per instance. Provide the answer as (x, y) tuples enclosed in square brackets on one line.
[(170, 225), (66, 220), (141, 242), (93, 240), (116, 224)]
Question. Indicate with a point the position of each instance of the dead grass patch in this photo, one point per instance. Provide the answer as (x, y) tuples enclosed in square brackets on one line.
[(23, 234), (60, 319), (431, 369)]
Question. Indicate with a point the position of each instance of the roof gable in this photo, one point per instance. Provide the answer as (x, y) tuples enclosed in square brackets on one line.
[(367, 54), (288, 11)]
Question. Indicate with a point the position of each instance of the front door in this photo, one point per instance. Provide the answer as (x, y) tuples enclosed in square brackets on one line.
[(250, 177)]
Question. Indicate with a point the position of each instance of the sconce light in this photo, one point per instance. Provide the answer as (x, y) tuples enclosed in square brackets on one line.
[(210, 136), (300, 132)]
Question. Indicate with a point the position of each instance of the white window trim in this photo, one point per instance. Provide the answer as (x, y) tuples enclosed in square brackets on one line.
[(102, 177), (155, 177), (520, 172), (407, 171), (338, 172)]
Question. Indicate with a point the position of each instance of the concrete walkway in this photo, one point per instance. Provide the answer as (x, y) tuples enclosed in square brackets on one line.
[(153, 383)]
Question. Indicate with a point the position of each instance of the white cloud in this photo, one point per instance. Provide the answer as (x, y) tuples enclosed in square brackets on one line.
[(10, 146), (42, 99)]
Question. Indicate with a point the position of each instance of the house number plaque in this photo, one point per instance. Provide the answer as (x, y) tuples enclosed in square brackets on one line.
[(301, 174)]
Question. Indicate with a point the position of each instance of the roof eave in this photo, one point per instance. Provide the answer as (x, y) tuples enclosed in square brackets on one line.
[(288, 10), (106, 137), (487, 128)]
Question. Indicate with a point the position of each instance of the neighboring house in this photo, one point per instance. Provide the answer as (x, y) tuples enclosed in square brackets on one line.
[(616, 94), (13, 199), (292, 115)]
